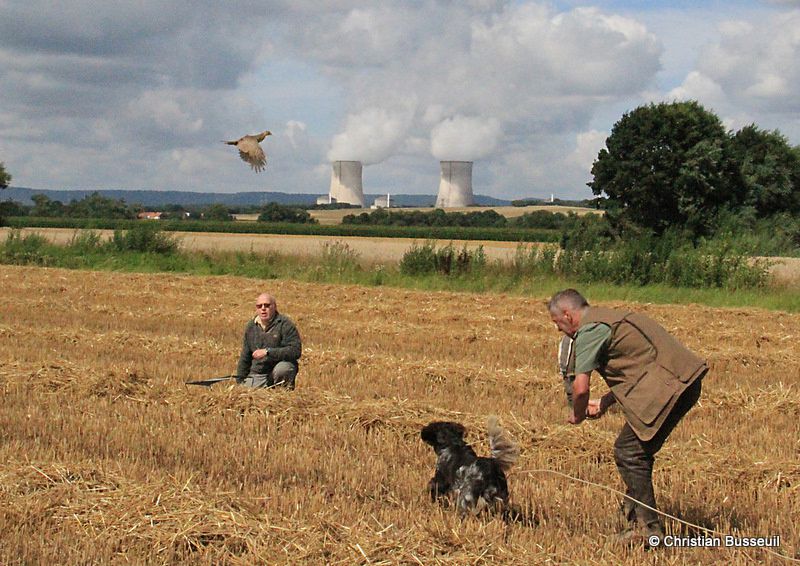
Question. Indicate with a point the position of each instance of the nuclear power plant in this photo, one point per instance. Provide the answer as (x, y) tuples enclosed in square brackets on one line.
[(455, 186), (346, 183)]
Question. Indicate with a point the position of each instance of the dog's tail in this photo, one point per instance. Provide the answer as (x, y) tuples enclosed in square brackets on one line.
[(504, 450)]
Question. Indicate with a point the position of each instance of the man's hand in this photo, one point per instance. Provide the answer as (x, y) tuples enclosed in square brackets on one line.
[(598, 407), (260, 354), (593, 410), (572, 419)]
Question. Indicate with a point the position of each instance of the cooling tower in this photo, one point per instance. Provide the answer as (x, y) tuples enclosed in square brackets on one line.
[(346, 182), (455, 186)]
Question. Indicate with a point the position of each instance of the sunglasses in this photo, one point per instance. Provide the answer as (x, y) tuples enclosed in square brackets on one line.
[(263, 305)]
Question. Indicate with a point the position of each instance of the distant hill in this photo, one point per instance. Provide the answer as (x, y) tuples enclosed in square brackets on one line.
[(155, 199)]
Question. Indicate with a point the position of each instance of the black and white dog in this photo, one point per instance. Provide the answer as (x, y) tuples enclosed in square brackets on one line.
[(476, 482)]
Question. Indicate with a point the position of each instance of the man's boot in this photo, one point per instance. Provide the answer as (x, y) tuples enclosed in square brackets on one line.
[(652, 531), (631, 535)]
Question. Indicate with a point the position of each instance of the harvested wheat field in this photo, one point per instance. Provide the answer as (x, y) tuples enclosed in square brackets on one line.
[(107, 457)]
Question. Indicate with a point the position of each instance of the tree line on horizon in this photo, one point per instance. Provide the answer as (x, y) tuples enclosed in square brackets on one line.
[(98, 206), (540, 219)]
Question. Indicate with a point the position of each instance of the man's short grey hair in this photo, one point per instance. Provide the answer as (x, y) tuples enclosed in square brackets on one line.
[(567, 299)]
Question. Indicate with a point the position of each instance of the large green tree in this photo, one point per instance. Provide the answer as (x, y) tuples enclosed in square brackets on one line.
[(667, 164), (5, 178), (770, 169)]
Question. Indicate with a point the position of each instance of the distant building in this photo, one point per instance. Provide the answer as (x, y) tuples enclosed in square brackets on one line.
[(149, 215), (383, 202), (326, 199)]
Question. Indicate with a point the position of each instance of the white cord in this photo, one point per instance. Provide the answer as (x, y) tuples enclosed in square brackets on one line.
[(626, 496)]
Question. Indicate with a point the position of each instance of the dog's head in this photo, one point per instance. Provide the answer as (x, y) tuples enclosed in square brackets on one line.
[(441, 434)]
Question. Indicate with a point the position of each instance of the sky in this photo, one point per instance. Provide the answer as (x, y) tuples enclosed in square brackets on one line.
[(139, 95)]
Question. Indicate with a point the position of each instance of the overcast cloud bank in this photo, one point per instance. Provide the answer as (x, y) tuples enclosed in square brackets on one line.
[(138, 96)]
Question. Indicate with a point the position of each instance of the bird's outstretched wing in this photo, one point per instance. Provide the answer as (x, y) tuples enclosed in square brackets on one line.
[(251, 153)]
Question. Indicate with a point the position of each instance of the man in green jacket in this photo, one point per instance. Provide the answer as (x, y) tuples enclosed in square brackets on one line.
[(654, 378), (270, 349)]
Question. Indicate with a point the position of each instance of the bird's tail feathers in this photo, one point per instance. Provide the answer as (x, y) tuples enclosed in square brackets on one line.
[(504, 450)]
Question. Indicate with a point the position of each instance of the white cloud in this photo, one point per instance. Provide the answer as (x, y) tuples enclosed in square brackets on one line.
[(587, 146), (371, 135), (750, 73), (757, 64), (297, 134), (698, 86), (768, 85), (166, 112), (464, 138)]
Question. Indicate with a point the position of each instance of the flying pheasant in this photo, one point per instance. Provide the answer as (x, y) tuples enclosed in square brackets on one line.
[(250, 151)]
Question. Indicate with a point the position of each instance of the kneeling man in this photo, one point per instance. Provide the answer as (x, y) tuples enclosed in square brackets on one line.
[(270, 349)]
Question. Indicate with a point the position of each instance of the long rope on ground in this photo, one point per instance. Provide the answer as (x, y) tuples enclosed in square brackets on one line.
[(674, 518)]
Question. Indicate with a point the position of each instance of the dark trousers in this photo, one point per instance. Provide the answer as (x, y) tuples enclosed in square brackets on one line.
[(635, 459)]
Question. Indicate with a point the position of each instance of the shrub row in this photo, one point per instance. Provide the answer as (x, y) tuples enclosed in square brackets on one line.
[(711, 264), (34, 249), (540, 219), (421, 232), (446, 260)]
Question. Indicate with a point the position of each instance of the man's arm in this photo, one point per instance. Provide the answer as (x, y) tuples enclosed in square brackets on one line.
[(291, 347), (245, 359), (590, 342), (580, 398)]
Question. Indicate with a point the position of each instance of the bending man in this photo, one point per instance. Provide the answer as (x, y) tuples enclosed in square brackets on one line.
[(653, 377), (270, 349)]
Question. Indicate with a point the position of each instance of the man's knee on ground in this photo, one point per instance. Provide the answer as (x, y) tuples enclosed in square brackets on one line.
[(284, 374), (257, 381)]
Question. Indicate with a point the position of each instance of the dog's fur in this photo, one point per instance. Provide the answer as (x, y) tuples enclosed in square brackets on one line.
[(476, 482)]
